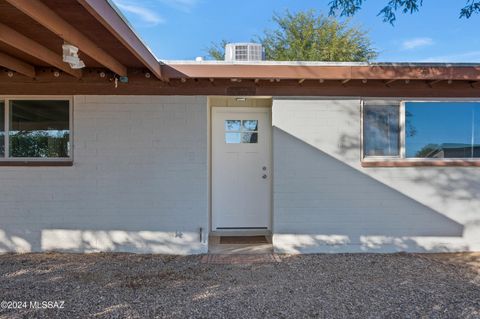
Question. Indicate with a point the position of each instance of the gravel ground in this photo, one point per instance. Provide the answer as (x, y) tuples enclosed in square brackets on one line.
[(326, 286)]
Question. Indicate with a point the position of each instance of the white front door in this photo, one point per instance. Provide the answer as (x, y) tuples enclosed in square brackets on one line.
[(241, 168)]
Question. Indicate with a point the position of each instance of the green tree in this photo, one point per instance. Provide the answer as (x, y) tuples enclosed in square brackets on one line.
[(307, 36), (428, 151), (217, 50), (348, 8)]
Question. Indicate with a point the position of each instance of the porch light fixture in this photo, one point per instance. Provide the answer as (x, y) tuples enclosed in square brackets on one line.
[(70, 55)]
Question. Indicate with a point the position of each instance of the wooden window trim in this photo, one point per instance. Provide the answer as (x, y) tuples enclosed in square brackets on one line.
[(424, 163), (402, 161)]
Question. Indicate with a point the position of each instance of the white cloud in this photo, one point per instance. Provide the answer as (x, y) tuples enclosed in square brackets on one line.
[(417, 43), (146, 15), (470, 56), (183, 5)]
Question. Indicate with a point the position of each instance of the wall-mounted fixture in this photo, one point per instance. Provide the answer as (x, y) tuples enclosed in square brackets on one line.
[(70, 55)]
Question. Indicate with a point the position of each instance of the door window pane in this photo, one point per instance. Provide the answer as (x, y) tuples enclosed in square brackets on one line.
[(232, 125), (2, 128), (39, 129), (442, 129), (232, 138), (241, 131), (249, 137), (381, 130), (250, 125)]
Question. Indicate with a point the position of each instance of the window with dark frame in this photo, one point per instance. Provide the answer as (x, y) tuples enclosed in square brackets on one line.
[(35, 129)]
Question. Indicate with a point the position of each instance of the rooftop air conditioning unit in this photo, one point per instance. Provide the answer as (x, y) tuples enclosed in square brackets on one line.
[(244, 52)]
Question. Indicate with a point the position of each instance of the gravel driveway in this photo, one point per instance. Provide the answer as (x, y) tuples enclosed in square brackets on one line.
[(327, 286)]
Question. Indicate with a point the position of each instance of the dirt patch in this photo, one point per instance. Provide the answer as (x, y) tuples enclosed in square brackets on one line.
[(330, 286)]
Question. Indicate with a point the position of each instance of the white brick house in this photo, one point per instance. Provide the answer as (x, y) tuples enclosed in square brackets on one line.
[(139, 155)]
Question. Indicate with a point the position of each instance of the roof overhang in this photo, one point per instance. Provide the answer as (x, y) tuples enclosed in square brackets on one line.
[(33, 31), (323, 71), (118, 62)]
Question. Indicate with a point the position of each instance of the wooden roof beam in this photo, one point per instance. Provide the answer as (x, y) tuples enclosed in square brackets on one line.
[(50, 20), (32, 48), (104, 12), (315, 72), (16, 65)]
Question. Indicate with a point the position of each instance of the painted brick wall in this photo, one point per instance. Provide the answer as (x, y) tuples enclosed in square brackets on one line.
[(324, 201), (138, 183)]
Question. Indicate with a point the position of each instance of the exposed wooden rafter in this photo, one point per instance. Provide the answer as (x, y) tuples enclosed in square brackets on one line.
[(46, 84), (110, 19), (30, 47), (52, 21), (16, 65)]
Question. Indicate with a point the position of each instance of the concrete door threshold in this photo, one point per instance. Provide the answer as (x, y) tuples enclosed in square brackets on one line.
[(214, 247)]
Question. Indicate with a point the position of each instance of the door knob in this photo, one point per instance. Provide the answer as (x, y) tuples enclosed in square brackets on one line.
[(264, 168), (264, 176)]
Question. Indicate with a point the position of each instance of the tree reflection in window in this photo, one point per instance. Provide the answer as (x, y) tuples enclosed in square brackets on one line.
[(241, 131), (39, 129)]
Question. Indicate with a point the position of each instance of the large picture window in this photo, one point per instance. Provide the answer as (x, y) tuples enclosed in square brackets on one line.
[(442, 130), (35, 129), (414, 130)]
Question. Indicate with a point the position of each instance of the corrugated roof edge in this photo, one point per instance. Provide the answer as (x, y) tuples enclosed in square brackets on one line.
[(322, 63)]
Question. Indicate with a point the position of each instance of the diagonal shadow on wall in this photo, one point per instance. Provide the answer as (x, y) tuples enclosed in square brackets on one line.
[(315, 193)]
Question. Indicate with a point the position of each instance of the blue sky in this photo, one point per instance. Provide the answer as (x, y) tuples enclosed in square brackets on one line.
[(183, 29)]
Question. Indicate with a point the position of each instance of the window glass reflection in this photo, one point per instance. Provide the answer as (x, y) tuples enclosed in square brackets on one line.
[(232, 125), (233, 138), (250, 125), (442, 129), (241, 131), (381, 130), (39, 129)]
